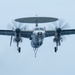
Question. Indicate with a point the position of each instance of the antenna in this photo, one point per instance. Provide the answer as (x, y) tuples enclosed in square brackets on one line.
[(36, 15), (36, 21)]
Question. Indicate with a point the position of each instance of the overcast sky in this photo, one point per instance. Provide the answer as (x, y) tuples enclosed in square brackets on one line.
[(47, 61)]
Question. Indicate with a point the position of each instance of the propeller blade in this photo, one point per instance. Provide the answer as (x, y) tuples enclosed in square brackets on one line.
[(15, 24), (60, 23), (55, 24), (19, 25), (23, 27), (65, 25), (11, 40), (51, 26), (10, 26)]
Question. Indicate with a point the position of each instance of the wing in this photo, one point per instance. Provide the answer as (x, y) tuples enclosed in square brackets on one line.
[(63, 32), (68, 32), (25, 34), (7, 32), (49, 33)]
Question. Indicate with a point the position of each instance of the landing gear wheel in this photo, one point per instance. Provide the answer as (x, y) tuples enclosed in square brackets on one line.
[(55, 48), (19, 49)]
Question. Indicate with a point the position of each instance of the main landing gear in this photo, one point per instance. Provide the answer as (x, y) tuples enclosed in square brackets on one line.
[(19, 49), (55, 49), (58, 43)]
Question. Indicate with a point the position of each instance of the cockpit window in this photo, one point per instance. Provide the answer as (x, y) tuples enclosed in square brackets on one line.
[(38, 28), (41, 28)]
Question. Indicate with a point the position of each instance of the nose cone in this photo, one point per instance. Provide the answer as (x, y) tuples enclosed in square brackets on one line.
[(59, 30), (39, 33), (17, 30)]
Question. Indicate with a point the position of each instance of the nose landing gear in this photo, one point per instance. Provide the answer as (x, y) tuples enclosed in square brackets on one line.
[(19, 49), (35, 51)]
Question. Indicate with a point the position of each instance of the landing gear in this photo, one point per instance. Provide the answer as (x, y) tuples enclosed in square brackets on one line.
[(55, 48), (58, 43), (35, 51), (19, 49)]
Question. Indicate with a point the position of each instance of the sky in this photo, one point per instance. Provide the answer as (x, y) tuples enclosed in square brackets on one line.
[(47, 61)]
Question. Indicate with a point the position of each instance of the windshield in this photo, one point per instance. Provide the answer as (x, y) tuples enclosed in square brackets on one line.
[(39, 29)]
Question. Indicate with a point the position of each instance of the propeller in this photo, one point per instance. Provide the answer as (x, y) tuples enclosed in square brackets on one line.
[(60, 24), (11, 40), (14, 26)]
